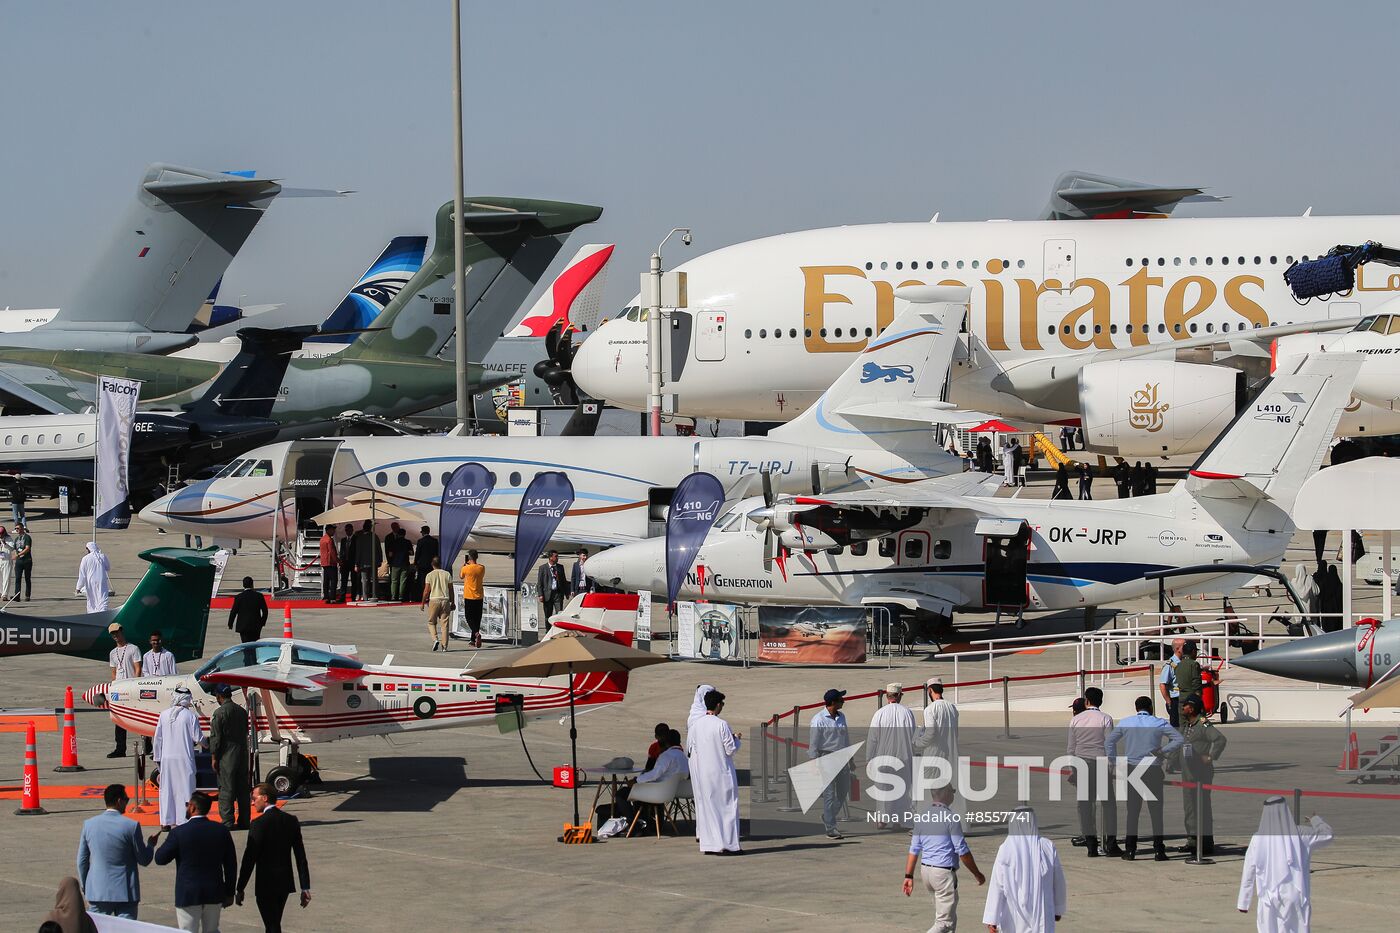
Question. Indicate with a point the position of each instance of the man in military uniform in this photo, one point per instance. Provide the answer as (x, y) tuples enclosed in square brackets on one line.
[(228, 748), (1203, 745)]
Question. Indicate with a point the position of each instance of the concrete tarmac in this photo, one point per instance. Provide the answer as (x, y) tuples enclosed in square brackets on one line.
[(451, 829)]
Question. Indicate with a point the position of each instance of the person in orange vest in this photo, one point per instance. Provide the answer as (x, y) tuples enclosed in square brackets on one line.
[(330, 563)]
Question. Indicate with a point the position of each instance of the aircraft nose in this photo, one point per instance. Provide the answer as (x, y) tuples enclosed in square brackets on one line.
[(158, 512), (611, 364), (1327, 659), (627, 567)]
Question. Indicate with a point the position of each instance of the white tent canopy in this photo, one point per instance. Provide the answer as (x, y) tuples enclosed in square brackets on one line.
[(1363, 495)]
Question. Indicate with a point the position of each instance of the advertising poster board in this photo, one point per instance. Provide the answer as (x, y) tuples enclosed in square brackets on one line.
[(643, 630), (707, 631), (812, 634)]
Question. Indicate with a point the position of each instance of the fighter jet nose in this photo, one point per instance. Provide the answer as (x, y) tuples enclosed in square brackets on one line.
[(1323, 659)]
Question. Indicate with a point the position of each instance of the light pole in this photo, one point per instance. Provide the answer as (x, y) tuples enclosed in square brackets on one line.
[(459, 303), (654, 329)]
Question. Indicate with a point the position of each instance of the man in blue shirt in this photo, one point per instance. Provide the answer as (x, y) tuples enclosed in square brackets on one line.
[(1171, 691), (828, 734), (937, 847), (1137, 738)]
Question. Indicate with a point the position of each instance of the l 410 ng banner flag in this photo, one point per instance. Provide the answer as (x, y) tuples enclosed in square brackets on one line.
[(463, 498)]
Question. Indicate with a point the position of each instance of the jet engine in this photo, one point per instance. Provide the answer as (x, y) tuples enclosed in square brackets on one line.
[(1156, 408)]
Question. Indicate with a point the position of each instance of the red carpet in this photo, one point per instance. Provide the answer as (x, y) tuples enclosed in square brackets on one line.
[(226, 602)]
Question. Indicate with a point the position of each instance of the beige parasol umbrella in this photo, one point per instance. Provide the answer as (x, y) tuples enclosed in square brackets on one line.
[(569, 653), (362, 506)]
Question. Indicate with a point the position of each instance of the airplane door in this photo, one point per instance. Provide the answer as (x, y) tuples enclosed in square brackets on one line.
[(913, 548), (1343, 309), (1006, 550), (709, 335), (1059, 261), (306, 482)]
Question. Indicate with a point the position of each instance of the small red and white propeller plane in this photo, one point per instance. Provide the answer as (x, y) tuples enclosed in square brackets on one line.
[(310, 691)]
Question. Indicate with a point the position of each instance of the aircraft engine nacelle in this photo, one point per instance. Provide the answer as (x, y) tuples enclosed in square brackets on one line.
[(154, 431), (1156, 408)]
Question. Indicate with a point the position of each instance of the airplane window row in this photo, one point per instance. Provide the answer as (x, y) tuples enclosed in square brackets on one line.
[(792, 332), (1162, 328), (993, 265), (425, 479), (1210, 261), (39, 439)]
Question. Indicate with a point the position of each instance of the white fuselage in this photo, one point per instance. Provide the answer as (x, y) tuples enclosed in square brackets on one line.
[(1082, 553), (31, 439), (622, 485), (772, 322)]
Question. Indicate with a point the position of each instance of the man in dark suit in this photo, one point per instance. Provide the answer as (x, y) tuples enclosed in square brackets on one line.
[(553, 588), (349, 579), (424, 550), (273, 840), (206, 867), (579, 580), (249, 613)]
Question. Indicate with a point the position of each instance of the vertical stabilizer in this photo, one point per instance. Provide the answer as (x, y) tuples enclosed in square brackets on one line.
[(380, 284)]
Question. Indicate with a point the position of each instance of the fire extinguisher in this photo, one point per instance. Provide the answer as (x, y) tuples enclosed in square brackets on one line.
[(1210, 693)]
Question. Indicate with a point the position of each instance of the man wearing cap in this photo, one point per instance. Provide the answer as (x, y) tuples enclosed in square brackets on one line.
[(892, 738), (177, 733), (125, 663), (228, 749), (828, 734), (940, 736)]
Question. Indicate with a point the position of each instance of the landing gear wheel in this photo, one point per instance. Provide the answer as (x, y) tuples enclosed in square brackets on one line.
[(285, 780)]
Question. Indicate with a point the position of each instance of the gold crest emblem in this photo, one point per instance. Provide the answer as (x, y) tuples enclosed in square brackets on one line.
[(1144, 410)]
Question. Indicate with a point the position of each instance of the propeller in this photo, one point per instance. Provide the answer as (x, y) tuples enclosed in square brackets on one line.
[(556, 368), (766, 518)]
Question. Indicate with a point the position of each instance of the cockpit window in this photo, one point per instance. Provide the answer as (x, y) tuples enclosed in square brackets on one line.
[(228, 470), (315, 657), (729, 522), (1381, 324), (238, 656), (264, 468), (244, 468), (636, 314), (1365, 324)]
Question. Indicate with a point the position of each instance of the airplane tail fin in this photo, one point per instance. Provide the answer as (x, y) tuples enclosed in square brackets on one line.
[(1278, 440), (508, 245), (170, 249), (575, 297), (247, 387), (892, 392), (384, 279), (172, 598)]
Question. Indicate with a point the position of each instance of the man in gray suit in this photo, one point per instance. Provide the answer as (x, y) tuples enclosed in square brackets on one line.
[(553, 587), (109, 851)]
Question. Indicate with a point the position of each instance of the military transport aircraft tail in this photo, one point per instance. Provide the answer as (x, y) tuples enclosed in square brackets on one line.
[(892, 393), (172, 598), (1279, 439), (380, 284), (509, 244)]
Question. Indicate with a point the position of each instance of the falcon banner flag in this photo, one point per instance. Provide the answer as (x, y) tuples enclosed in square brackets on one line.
[(116, 416)]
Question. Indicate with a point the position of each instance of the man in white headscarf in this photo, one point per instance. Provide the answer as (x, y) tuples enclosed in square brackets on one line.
[(697, 711), (1306, 588), (7, 563), (1277, 865), (93, 582), (1027, 890), (714, 779), (177, 733), (892, 736)]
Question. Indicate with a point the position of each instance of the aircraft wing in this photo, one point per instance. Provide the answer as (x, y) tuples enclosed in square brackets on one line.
[(941, 413), (960, 491), (593, 537), (45, 388), (270, 676)]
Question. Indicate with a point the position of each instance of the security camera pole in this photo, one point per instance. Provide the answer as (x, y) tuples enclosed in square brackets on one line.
[(651, 284), (459, 304)]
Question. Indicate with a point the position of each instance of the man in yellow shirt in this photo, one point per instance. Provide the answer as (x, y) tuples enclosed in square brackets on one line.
[(437, 598), (473, 575)]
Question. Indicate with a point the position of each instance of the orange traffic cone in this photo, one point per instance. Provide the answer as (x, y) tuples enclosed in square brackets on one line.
[(286, 621), (29, 805), (69, 757)]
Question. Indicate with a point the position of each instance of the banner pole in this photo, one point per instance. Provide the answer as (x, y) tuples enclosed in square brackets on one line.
[(96, 454)]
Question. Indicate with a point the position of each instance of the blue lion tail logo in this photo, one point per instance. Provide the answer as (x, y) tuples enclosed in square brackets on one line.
[(874, 372), (399, 262)]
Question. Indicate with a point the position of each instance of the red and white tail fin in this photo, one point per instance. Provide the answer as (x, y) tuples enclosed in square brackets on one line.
[(574, 297), (610, 616)]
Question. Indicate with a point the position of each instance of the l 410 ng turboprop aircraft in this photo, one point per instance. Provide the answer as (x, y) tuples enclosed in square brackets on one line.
[(1150, 334), (927, 549)]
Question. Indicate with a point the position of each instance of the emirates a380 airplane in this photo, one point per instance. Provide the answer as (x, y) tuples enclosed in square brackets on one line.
[(1148, 334)]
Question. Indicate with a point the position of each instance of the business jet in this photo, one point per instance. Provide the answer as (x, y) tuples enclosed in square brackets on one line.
[(933, 550), (872, 427), (315, 692), (1150, 335)]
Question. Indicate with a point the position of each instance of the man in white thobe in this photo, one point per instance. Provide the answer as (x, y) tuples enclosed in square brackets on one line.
[(697, 710), (1277, 866), (1008, 464), (940, 736), (714, 778), (1026, 892), (94, 582), (177, 734), (7, 564), (892, 736)]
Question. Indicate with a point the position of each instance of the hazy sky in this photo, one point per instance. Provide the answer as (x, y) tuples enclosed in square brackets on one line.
[(737, 119)]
